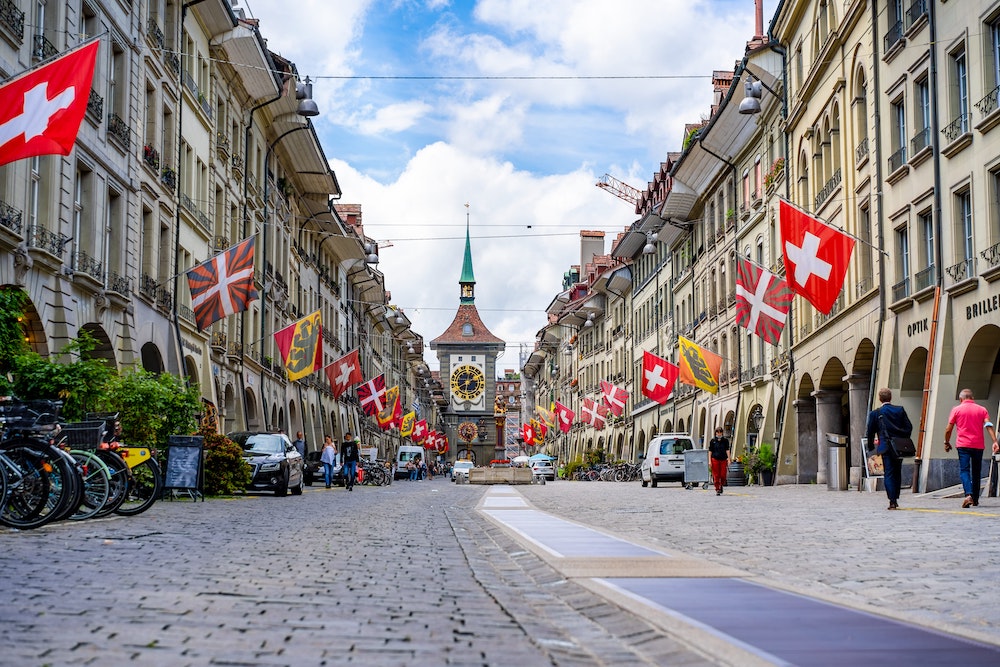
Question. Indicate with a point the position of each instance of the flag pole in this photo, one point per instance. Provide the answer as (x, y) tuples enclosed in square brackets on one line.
[(839, 229)]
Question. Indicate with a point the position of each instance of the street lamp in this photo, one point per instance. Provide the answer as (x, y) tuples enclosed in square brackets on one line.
[(650, 247), (753, 90)]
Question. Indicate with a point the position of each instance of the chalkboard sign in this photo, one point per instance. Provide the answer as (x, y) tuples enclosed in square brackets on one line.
[(184, 462)]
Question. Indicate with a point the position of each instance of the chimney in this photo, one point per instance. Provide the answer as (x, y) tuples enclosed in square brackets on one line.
[(591, 245), (759, 14)]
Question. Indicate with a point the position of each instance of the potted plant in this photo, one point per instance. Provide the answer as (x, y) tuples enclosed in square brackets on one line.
[(766, 459)]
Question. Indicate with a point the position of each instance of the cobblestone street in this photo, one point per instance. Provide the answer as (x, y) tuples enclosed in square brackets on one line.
[(413, 574)]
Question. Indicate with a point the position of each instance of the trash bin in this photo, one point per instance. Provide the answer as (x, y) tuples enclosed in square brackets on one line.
[(836, 462)]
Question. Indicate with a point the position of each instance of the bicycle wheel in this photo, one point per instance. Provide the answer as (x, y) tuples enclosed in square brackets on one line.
[(145, 487), (119, 481), (96, 484), (41, 484)]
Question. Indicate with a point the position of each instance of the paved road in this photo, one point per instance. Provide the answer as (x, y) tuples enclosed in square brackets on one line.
[(413, 574)]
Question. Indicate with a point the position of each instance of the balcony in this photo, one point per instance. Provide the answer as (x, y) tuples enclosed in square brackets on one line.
[(916, 11), (828, 189), (195, 91), (43, 239), (173, 61), (861, 152), (992, 255), (118, 129), (10, 217), (151, 157), (222, 147), (154, 34), (863, 287), (188, 205), (169, 178), (218, 341), (185, 312), (12, 20), (164, 299), (119, 284), (235, 350), (964, 270), (957, 127), (42, 48), (988, 104), (148, 286), (893, 35), (897, 159), (95, 106), (920, 141), (778, 267), (925, 278), (901, 290), (220, 243), (84, 263)]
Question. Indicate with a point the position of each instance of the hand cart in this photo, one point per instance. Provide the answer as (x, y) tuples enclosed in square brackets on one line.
[(696, 468)]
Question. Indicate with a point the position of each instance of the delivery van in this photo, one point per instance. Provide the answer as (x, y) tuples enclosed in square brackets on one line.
[(664, 459), (404, 455)]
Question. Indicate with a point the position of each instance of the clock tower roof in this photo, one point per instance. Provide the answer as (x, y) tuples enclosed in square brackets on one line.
[(467, 327)]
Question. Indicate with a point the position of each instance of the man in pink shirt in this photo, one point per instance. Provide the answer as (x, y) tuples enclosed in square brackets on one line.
[(970, 418)]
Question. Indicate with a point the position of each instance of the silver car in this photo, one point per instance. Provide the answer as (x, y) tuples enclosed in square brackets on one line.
[(543, 469)]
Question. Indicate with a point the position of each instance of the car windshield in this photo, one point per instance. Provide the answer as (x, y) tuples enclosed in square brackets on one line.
[(675, 446), (264, 444), (463, 464)]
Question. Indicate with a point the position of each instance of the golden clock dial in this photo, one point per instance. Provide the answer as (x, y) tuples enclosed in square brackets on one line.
[(468, 383)]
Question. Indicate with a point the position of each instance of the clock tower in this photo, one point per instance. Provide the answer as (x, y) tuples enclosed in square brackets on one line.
[(467, 354)]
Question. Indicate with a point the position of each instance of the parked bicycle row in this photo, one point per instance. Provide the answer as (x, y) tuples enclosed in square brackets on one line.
[(51, 471), (607, 472)]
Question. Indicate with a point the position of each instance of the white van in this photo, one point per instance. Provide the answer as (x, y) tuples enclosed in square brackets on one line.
[(404, 455), (664, 459)]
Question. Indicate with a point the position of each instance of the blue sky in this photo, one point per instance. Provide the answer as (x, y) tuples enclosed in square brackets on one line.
[(519, 151)]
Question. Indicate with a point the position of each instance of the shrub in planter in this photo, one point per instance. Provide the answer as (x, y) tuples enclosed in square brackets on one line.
[(226, 472)]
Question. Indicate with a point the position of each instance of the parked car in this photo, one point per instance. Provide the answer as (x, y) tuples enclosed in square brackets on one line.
[(275, 463), (664, 459), (544, 469), (461, 469), (314, 470)]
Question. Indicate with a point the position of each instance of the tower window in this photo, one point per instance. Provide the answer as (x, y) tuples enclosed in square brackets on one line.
[(466, 329)]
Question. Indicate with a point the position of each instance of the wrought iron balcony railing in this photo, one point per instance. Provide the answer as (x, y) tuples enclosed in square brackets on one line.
[(988, 104), (901, 290), (10, 217), (861, 152), (963, 270), (957, 127), (95, 106), (897, 159), (154, 33), (118, 129), (992, 255), (920, 141), (119, 284), (42, 48), (893, 35), (49, 241), (84, 263), (12, 19), (924, 278)]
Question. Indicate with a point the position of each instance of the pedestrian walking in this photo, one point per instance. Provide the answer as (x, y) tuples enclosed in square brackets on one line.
[(350, 450), (889, 421), (329, 459), (970, 419), (300, 445), (719, 449)]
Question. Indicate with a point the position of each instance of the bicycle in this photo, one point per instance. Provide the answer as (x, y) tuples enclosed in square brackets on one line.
[(144, 477)]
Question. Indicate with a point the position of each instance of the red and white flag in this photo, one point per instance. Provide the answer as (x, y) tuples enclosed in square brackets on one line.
[(613, 397), (41, 110), (658, 377), (528, 435), (564, 417), (419, 431), (816, 256), (223, 285), (762, 301), (593, 413), (372, 396), (344, 373)]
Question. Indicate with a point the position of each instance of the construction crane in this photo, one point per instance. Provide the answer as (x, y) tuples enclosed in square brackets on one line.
[(620, 189)]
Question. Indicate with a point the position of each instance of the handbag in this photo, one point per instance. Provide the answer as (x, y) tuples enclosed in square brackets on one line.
[(901, 445)]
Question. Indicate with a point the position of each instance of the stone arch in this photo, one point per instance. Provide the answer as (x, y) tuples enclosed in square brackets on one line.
[(294, 422), (281, 424), (229, 408), (272, 424), (680, 426), (620, 447), (33, 328), (103, 349), (250, 403), (191, 370), (668, 426), (152, 360), (835, 137), (728, 424), (979, 363), (702, 425)]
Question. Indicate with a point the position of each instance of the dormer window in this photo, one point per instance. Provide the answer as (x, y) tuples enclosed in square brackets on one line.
[(466, 329)]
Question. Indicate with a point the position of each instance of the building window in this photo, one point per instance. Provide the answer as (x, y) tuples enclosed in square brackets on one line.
[(865, 249), (902, 288), (897, 137), (995, 204), (963, 205), (922, 116), (958, 97)]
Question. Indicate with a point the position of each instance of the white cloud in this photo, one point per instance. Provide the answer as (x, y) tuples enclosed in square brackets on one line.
[(395, 117)]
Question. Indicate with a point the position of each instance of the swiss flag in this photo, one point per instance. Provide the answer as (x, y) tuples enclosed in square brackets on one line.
[(593, 413), (762, 301), (564, 417), (613, 397), (41, 110), (419, 431), (528, 435), (816, 256), (658, 377), (344, 373)]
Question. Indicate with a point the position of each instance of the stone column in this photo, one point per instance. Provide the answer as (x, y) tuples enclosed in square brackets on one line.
[(858, 388), (827, 421), (805, 427)]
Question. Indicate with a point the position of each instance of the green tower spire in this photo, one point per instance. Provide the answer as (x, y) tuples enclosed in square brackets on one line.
[(468, 280)]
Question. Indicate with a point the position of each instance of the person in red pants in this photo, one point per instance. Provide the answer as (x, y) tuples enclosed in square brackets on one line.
[(719, 449)]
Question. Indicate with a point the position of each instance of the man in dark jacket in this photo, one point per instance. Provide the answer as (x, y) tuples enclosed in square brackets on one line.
[(351, 451), (893, 423)]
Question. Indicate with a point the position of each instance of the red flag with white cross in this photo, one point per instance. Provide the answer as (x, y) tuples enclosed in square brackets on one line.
[(41, 110), (816, 257), (371, 395), (658, 377), (613, 397), (528, 435), (344, 373), (762, 301), (593, 413), (419, 431), (564, 417)]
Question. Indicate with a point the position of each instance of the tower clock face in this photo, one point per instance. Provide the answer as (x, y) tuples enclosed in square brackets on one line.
[(468, 383)]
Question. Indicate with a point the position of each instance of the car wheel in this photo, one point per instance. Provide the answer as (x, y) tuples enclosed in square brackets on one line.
[(282, 489), (297, 491), (645, 484), (652, 481), (308, 480)]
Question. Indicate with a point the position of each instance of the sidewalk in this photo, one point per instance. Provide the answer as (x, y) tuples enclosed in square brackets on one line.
[(930, 563)]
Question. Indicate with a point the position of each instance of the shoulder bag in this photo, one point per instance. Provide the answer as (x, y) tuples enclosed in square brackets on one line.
[(902, 446)]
